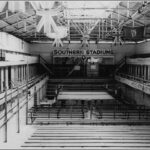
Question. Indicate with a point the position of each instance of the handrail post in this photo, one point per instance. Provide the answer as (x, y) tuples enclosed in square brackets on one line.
[(18, 107), (11, 96), (27, 103), (27, 79), (5, 120)]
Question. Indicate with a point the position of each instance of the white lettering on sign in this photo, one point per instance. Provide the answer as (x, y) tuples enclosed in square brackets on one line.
[(82, 52)]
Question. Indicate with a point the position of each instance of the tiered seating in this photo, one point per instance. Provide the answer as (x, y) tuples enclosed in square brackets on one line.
[(77, 137)]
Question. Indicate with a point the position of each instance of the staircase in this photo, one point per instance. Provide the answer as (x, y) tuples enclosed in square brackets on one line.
[(120, 64), (45, 64)]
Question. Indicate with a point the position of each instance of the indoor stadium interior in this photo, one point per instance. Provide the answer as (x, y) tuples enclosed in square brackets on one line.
[(75, 75)]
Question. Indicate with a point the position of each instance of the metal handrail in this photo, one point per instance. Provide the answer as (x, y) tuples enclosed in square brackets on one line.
[(22, 86), (133, 77), (8, 119), (15, 107)]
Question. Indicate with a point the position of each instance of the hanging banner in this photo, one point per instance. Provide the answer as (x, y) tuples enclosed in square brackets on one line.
[(97, 52), (133, 33)]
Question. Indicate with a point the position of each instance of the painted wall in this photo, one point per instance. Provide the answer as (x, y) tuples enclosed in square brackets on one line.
[(46, 49), (11, 43), (143, 48), (135, 96)]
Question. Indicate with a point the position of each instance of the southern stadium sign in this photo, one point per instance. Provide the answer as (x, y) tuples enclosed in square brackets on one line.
[(82, 52)]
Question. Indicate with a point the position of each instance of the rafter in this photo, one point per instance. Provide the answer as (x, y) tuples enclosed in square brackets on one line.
[(130, 18), (27, 27), (18, 22), (136, 15)]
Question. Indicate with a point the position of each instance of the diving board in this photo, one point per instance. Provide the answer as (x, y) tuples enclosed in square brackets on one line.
[(67, 95)]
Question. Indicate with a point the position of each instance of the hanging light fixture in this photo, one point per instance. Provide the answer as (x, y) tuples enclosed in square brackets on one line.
[(51, 29), (85, 39)]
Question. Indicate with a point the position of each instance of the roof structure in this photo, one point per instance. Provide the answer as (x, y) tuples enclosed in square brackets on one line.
[(60, 21)]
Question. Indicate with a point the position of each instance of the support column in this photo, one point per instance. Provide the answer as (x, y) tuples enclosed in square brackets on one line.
[(39, 94), (6, 77), (5, 119), (38, 98), (148, 72), (35, 97), (19, 74), (18, 111), (27, 98), (22, 74), (16, 74), (2, 79), (12, 74)]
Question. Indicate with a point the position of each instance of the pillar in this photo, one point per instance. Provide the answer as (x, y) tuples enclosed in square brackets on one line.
[(148, 72), (12, 74), (2, 79), (6, 77), (16, 74), (22, 74)]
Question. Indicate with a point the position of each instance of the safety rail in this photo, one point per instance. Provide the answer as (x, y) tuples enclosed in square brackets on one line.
[(23, 87), (112, 111), (14, 113), (19, 103), (46, 109), (131, 77), (20, 88), (126, 111)]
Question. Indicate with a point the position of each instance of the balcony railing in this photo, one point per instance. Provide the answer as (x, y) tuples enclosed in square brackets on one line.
[(135, 78)]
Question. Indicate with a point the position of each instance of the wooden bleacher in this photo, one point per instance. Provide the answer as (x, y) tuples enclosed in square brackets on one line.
[(77, 137)]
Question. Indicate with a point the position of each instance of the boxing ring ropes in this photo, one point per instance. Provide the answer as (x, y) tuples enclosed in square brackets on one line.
[(90, 97)]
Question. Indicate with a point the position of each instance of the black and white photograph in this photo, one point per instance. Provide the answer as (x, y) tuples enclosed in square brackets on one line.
[(75, 75)]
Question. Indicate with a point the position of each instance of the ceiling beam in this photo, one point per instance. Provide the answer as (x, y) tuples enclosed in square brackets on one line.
[(137, 14), (21, 29), (26, 19), (126, 8), (129, 18), (99, 8), (7, 17), (88, 19)]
